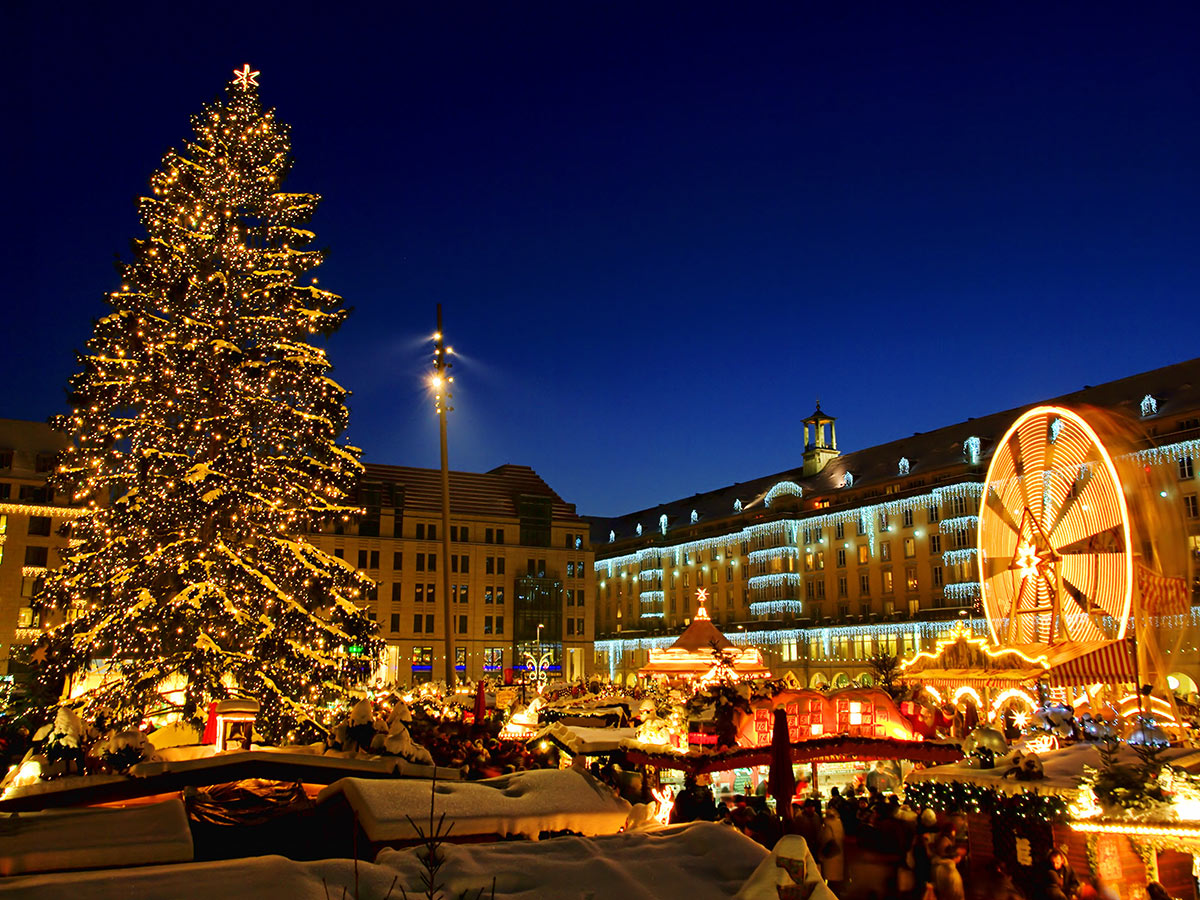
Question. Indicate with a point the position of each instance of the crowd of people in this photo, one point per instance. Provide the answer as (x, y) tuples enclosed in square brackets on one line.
[(922, 855)]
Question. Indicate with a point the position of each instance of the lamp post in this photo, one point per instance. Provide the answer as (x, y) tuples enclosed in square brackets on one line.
[(440, 382)]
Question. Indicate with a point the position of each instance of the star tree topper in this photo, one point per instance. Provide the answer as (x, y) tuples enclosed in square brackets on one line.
[(244, 78)]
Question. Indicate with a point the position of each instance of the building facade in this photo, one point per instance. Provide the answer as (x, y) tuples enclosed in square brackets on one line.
[(852, 554), (520, 571), (31, 520)]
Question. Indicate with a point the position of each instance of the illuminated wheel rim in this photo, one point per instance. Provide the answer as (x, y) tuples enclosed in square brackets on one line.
[(1054, 542)]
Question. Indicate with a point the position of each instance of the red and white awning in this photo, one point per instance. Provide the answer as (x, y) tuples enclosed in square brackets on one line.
[(1103, 662)]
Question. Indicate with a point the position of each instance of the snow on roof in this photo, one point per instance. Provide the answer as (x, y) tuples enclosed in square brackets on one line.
[(702, 861), (578, 739), (525, 803), (87, 838), (1063, 769), (377, 765)]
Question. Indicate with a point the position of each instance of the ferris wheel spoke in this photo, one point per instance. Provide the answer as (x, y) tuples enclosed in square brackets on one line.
[(1110, 540), (1100, 576), (1018, 465), (996, 505), (1074, 492), (1081, 624)]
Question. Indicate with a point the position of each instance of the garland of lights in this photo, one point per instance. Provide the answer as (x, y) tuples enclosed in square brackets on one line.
[(774, 580), (964, 797), (774, 553), (966, 590), (783, 488), (954, 557), (769, 607)]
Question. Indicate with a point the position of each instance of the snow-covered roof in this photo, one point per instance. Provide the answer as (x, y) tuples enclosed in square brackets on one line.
[(88, 838), (1063, 769), (702, 861), (523, 803), (577, 739)]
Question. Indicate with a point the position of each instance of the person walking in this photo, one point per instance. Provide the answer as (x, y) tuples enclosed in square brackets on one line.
[(832, 854)]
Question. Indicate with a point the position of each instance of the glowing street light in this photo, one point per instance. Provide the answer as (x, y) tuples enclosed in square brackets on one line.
[(440, 382)]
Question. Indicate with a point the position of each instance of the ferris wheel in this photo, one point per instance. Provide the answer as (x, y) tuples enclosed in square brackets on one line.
[(1055, 549)]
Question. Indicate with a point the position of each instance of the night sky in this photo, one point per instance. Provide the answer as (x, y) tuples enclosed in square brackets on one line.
[(659, 231)]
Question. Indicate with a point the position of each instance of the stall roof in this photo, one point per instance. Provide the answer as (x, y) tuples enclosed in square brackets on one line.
[(1063, 769)]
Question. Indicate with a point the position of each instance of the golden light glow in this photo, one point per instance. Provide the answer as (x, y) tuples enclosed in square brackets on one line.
[(968, 691), (1027, 562), (666, 801), (1054, 507), (1139, 829)]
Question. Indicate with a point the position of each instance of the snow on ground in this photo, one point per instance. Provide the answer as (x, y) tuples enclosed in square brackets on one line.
[(524, 803), (702, 861), (90, 837)]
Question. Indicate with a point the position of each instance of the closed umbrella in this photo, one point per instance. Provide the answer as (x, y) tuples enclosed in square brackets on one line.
[(781, 781)]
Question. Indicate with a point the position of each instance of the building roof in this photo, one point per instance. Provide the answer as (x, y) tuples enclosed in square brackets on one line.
[(494, 494), (1174, 389), (27, 438)]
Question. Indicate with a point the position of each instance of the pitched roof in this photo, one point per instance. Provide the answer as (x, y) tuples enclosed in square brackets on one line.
[(702, 635), (495, 493), (1175, 389)]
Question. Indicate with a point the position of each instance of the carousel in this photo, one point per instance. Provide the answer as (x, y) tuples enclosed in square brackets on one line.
[(703, 654)]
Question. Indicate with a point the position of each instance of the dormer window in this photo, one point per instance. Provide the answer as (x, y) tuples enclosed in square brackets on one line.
[(1149, 406)]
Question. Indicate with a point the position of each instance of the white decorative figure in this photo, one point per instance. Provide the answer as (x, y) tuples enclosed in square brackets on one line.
[(971, 450), (612, 537), (1149, 406), (737, 506), (639, 529), (903, 467), (695, 517), (1055, 428), (848, 480), (662, 523)]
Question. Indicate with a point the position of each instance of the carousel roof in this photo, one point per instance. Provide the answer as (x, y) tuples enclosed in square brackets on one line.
[(964, 659), (696, 650)]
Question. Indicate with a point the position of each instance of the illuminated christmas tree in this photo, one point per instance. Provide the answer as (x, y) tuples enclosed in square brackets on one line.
[(205, 426)]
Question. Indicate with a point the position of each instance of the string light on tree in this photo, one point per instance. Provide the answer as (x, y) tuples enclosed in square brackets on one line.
[(205, 430)]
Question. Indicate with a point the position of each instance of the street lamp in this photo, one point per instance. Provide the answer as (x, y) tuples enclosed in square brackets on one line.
[(440, 382)]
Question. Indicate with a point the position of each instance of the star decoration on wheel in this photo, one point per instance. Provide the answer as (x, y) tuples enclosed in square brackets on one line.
[(1034, 555), (244, 78), (1028, 561)]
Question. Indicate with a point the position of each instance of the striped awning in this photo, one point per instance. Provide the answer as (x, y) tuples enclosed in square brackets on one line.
[(1103, 662)]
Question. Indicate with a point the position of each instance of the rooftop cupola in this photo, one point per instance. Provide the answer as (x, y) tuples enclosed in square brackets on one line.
[(819, 447)]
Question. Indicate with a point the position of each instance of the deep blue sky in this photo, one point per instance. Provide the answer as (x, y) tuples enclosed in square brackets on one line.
[(658, 231)]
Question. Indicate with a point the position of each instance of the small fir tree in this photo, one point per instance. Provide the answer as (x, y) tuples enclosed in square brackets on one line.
[(205, 429)]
